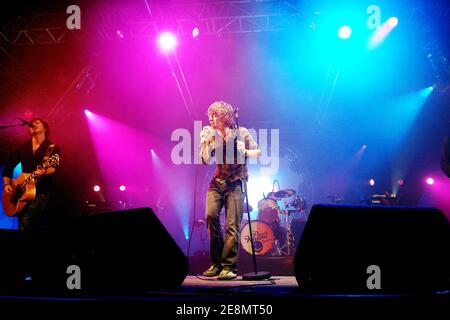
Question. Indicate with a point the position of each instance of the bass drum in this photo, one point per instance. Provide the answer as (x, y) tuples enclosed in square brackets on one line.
[(263, 237)]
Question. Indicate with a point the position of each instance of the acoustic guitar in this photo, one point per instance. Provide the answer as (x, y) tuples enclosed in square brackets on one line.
[(24, 189)]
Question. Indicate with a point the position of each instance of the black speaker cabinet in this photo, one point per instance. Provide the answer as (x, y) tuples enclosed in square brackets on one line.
[(10, 258), (116, 252), (351, 248)]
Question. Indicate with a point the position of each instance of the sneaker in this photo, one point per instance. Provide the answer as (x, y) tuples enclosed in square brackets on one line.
[(212, 271), (227, 274)]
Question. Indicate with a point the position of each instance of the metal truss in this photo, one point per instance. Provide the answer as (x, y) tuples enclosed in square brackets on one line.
[(211, 17), (34, 30), (216, 18)]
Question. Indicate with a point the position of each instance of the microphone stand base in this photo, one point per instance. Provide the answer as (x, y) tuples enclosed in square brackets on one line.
[(260, 275)]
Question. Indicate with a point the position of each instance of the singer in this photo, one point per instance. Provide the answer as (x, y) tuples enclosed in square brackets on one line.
[(34, 216), (222, 141)]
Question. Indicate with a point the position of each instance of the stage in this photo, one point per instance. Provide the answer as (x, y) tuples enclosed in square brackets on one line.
[(326, 122)]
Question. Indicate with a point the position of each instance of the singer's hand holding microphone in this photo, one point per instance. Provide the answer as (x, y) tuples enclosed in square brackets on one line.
[(206, 135)]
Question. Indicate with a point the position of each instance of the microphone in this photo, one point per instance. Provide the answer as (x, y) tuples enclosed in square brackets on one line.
[(203, 135), (26, 123)]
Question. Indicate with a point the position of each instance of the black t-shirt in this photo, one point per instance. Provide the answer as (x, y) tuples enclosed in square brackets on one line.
[(30, 161)]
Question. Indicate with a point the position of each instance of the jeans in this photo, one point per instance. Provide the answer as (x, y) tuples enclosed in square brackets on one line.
[(229, 195), (34, 216)]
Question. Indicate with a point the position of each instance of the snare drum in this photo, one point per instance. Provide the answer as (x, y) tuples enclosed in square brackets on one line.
[(268, 211)]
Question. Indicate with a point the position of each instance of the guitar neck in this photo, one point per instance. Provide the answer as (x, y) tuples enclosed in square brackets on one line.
[(32, 176), (46, 165)]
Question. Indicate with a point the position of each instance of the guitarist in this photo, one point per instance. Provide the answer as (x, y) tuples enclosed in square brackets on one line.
[(31, 154)]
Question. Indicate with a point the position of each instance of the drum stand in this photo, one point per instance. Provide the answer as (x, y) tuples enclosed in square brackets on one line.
[(276, 248), (289, 243)]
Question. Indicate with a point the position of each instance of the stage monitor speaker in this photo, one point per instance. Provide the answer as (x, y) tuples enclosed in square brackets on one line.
[(373, 249), (116, 252), (10, 256)]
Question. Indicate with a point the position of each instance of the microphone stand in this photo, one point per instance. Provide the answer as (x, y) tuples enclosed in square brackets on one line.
[(255, 275), (24, 123), (12, 125)]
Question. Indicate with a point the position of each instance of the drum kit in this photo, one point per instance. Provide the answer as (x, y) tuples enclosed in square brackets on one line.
[(269, 234)]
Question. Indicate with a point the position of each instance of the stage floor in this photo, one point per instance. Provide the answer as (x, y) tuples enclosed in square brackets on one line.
[(274, 281)]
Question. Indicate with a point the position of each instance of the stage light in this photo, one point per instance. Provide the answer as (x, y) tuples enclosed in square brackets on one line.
[(392, 22), (122, 188), (344, 32), (96, 188), (167, 42), (381, 33), (28, 114), (430, 181), (195, 32), (364, 146), (425, 92), (400, 182), (87, 113), (119, 34), (371, 182)]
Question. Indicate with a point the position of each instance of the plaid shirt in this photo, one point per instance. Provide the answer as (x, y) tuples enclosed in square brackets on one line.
[(229, 161)]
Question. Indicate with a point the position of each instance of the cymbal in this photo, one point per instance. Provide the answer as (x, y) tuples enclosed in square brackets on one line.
[(271, 195), (285, 193)]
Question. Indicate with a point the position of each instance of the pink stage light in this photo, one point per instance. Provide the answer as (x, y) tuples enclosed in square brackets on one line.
[(392, 22), (372, 182), (195, 32), (400, 182), (96, 188), (122, 188), (430, 181), (119, 34), (382, 33), (87, 113), (28, 114), (167, 42)]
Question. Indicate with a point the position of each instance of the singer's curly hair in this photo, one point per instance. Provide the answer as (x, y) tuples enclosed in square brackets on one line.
[(44, 123), (223, 110)]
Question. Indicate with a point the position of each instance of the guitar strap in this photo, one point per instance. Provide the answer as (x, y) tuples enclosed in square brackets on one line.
[(49, 151)]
